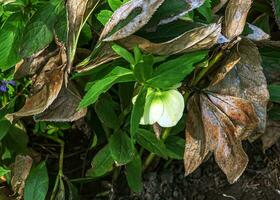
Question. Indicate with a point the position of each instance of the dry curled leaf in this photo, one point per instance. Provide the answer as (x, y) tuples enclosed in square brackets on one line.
[(196, 39), (20, 171), (29, 66), (129, 18), (46, 87), (235, 17), (247, 81), (256, 34), (78, 12), (218, 123), (67, 98), (219, 6), (185, 7)]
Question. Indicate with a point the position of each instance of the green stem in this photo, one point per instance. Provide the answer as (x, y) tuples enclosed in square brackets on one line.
[(204, 71), (151, 156), (60, 165)]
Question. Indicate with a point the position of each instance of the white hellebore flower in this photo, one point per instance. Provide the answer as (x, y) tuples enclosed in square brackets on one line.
[(166, 108)]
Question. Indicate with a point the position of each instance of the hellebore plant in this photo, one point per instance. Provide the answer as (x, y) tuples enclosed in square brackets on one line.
[(163, 107)]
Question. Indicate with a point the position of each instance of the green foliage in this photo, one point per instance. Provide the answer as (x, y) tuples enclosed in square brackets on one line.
[(10, 35), (122, 148), (37, 183), (134, 174)]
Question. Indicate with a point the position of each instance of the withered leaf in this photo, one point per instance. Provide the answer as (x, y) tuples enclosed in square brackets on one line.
[(181, 8), (196, 39), (129, 18), (29, 66), (256, 34), (197, 140), (78, 12), (20, 171), (46, 87), (246, 80), (64, 107), (235, 17), (219, 6), (218, 123)]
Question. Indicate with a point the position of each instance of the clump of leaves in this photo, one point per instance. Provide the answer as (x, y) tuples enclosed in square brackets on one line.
[(139, 63)]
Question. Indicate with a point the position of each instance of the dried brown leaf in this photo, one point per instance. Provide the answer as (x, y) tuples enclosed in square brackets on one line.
[(219, 6), (46, 87), (235, 17), (218, 123), (78, 12), (64, 107), (197, 142), (129, 18), (256, 34), (20, 171), (199, 38), (247, 81), (30, 66)]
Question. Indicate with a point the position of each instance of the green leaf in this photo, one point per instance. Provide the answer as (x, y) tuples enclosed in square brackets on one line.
[(137, 54), (175, 147), (114, 4), (137, 112), (101, 163), (274, 113), (149, 141), (3, 171), (125, 54), (134, 174), (104, 15), (4, 128), (143, 70), (274, 91), (37, 183), (205, 11), (10, 34), (166, 75), (60, 27), (122, 148), (105, 110), (16, 139), (39, 31), (117, 75), (263, 23)]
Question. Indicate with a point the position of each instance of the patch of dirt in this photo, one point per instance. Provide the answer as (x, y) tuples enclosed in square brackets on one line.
[(260, 181)]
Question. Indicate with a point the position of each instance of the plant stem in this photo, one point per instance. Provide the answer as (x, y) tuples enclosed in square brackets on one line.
[(151, 156), (60, 165), (204, 71)]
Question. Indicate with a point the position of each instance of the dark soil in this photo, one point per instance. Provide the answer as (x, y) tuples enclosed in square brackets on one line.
[(260, 181)]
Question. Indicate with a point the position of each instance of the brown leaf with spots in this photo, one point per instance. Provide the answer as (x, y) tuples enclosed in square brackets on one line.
[(78, 12), (20, 171), (218, 123), (196, 39), (30, 66), (246, 80), (46, 86), (227, 112), (129, 18), (64, 107), (235, 17)]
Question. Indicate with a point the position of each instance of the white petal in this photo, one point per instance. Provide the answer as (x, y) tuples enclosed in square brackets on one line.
[(173, 109), (153, 109)]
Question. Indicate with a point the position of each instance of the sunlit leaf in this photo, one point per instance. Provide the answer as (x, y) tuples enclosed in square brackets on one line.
[(129, 18), (235, 17)]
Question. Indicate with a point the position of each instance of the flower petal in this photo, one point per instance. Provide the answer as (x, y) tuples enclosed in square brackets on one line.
[(173, 103), (153, 109)]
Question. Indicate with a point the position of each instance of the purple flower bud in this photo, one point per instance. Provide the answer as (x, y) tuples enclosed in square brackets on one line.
[(3, 88)]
